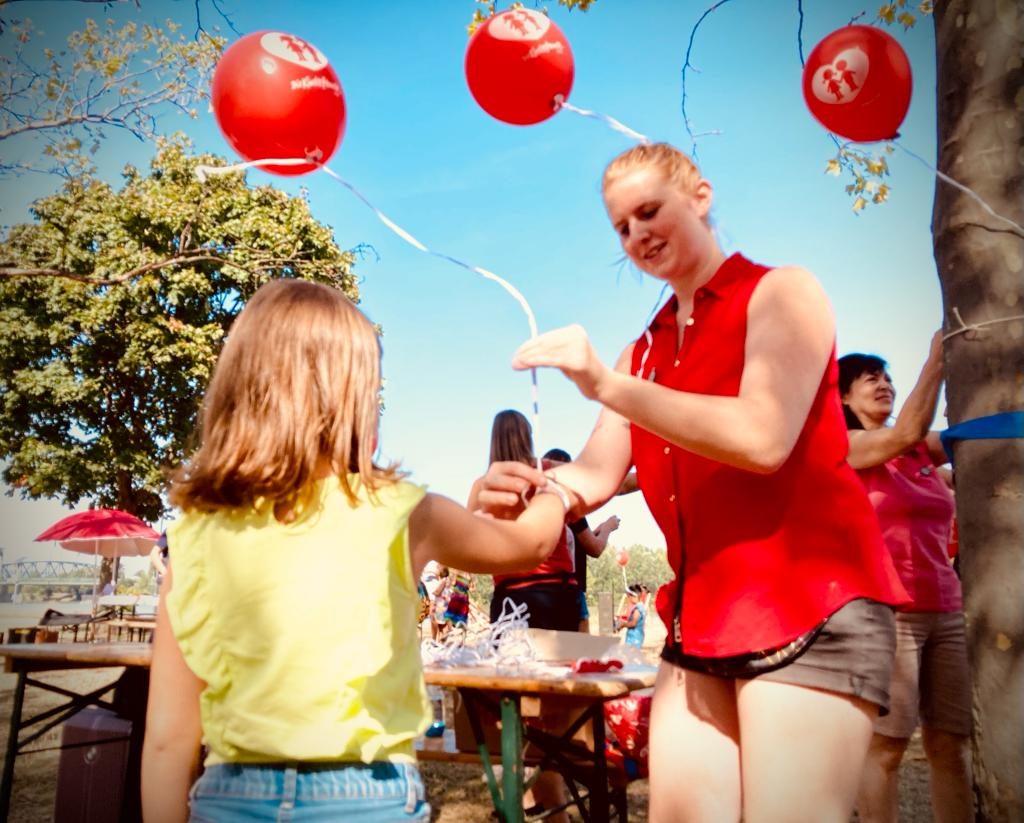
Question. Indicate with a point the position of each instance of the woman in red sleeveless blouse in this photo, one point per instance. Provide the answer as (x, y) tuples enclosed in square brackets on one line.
[(780, 643)]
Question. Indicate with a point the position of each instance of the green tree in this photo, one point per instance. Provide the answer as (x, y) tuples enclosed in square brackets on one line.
[(645, 565), (105, 77), (113, 307)]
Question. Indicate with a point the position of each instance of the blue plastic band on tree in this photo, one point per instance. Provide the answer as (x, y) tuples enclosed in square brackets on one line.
[(1008, 425)]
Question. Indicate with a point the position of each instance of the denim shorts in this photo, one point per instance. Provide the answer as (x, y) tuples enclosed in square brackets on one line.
[(584, 610), (931, 680), (309, 793)]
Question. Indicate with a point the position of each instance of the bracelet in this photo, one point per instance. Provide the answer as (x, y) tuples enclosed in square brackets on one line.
[(551, 487)]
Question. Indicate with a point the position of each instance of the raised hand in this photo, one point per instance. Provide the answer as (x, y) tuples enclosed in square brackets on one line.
[(567, 349)]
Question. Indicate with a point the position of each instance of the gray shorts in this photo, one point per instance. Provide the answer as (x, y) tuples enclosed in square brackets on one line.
[(853, 654), (931, 677)]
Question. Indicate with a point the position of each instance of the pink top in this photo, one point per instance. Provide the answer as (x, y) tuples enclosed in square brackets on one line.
[(915, 510)]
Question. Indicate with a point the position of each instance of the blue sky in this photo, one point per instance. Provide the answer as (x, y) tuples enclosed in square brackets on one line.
[(524, 202)]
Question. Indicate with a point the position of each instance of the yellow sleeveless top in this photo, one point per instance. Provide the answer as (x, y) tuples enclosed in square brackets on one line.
[(304, 633)]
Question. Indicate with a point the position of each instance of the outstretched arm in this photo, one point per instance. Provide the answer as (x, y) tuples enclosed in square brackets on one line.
[(170, 752), (790, 335), (872, 447), (440, 529)]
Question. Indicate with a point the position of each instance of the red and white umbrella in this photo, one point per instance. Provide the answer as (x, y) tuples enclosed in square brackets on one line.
[(102, 533)]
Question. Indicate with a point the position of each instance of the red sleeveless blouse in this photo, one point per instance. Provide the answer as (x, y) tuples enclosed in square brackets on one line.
[(759, 559)]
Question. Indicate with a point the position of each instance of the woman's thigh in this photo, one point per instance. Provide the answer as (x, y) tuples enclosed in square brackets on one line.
[(945, 677), (803, 751), (694, 748), (912, 631)]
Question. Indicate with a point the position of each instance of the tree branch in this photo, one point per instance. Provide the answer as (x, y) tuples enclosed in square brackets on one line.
[(686, 65), (10, 270), (135, 3), (800, 30)]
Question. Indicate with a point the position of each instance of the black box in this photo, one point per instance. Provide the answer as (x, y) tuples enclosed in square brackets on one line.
[(93, 766)]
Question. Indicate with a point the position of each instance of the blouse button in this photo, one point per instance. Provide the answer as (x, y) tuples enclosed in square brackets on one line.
[(689, 321), (676, 363), (668, 450), (671, 498)]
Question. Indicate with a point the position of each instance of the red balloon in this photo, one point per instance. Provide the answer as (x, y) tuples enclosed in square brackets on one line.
[(516, 63), (857, 83), (275, 95), (622, 557)]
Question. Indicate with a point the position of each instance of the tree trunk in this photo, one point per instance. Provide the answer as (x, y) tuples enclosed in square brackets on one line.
[(980, 259)]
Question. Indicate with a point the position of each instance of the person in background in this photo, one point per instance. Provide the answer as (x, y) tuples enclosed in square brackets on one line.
[(780, 627), (900, 466), (306, 715), (549, 590), (586, 542), (435, 580), (634, 618), (158, 559)]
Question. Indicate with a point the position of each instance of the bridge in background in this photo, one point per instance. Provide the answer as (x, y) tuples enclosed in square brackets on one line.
[(47, 573)]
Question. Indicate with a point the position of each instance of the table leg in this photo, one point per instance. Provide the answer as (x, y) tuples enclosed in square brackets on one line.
[(7, 782), (511, 759), (599, 791)]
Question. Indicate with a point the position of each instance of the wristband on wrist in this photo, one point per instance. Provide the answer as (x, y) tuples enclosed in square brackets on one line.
[(551, 487)]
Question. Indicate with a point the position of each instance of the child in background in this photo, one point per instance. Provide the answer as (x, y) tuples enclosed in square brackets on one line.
[(635, 616), (434, 582), (456, 613), (283, 507)]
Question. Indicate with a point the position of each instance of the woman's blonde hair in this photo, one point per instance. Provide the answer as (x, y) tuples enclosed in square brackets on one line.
[(298, 380), (677, 167), (511, 438)]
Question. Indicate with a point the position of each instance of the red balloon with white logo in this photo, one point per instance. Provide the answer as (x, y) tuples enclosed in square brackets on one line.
[(275, 96), (517, 63), (857, 84)]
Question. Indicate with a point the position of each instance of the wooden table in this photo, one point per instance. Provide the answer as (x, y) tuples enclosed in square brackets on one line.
[(129, 700), (485, 691)]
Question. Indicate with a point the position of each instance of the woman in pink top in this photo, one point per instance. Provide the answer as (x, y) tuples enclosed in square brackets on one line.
[(898, 465)]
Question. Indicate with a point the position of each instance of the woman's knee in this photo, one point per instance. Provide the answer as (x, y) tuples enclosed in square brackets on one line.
[(886, 752), (946, 751)]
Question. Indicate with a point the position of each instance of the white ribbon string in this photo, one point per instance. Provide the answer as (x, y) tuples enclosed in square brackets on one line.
[(957, 185), (203, 172), (506, 646), (966, 327), (562, 103)]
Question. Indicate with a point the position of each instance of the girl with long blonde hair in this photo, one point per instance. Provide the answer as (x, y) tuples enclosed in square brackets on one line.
[(289, 527)]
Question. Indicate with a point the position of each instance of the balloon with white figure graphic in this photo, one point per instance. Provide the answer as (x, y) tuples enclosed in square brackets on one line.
[(857, 83), (518, 63), (275, 95)]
